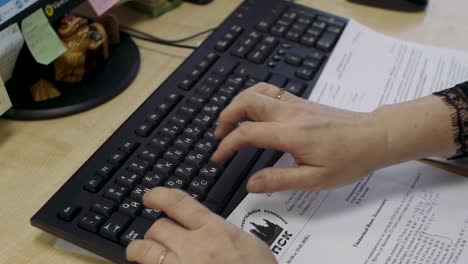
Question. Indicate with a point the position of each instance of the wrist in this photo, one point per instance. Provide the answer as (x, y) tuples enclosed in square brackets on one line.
[(416, 129)]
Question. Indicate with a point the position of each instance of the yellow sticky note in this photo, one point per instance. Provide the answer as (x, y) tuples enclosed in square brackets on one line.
[(42, 41), (5, 102)]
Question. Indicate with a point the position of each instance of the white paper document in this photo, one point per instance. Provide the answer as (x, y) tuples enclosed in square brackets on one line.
[(368, 69), (11, 42), (5, 102), (409, 213)]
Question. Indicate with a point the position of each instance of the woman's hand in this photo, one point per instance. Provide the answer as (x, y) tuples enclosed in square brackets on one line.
[(196, 236), (331, 147)]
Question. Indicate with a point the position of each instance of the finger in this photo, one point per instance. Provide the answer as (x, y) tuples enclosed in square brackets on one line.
[(249, 104), (179, 206), (272, 91), (304, 178), (149, 252), (168, 233), (258, 134)]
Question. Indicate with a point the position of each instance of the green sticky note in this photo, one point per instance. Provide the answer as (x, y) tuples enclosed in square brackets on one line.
[(42, 41)]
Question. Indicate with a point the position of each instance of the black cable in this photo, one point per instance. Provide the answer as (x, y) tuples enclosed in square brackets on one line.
[(148, 37), (162, 42), (129, 29)]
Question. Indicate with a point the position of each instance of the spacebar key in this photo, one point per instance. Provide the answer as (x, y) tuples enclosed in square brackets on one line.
[(231, 179)]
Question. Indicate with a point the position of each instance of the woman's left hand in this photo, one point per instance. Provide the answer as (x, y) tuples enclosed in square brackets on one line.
[(195, 235)]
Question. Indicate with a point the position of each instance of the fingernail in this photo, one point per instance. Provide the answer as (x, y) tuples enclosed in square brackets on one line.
[(256, 185)]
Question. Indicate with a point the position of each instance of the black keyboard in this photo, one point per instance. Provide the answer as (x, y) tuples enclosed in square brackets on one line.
[(169, 139)]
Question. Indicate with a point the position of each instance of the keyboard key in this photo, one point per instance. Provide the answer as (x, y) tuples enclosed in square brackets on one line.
[(145, 129), (316, 56), (236, 81), (278, 80), (106, 171), (68, 212), (205, 146), (293, 35), (176, 183), (293, 59), (264, 25), (290, 15), (211, 110), (170, 131), (306, 73), (327, 41), (196, 158), (114, 227), (174, 154), (270, 41), (231, 178), (137, 230), (184, 142), (153, 179), (173, 99), (195, 195), (212, 57), (319, 25), (257, 57), (104, 207), (150, 155), (187, 84), (128, 179), (116, 193), (139, 166), (129, 147), (195, 74), (160, 142), (200, 185), (210, 171), (194, 132), (95, 184), (220, 99), (118, 158), (138, 193), (209, 135), (278, 30), (332, 21), (334, 29), (222, 45), (316, 32), (311, 63), (295, 87), (151, 214), (91, 222), (155, 118), (203, 121), (130, 207), (185, 171), (164, 166), (309, 40)]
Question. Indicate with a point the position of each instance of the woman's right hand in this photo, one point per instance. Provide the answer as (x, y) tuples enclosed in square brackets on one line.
[(332, 147)]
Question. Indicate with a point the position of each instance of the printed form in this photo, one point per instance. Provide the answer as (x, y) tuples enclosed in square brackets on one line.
[(406, 214)]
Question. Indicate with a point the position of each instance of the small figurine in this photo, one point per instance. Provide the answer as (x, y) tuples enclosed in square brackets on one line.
[(44, 90), (80, 39)]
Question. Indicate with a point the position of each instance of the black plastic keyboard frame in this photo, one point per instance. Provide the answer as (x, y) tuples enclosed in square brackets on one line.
[(246, 15)]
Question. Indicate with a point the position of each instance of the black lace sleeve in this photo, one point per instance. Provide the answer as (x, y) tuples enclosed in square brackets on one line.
[(457, 98)]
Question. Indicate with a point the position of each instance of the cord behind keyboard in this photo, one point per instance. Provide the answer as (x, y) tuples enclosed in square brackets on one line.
[(169, 139)]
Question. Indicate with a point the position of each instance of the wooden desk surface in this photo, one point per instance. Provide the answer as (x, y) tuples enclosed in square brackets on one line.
[(36, 158)]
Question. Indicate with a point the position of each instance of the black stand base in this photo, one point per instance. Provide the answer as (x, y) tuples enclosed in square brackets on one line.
[(108, 79), (397, 5)]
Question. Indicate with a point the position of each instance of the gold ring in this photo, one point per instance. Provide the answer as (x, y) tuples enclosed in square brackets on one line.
[(280, 94), (163, 256)]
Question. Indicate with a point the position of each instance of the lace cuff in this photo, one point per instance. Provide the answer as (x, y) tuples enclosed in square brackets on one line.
[(457, 98)]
